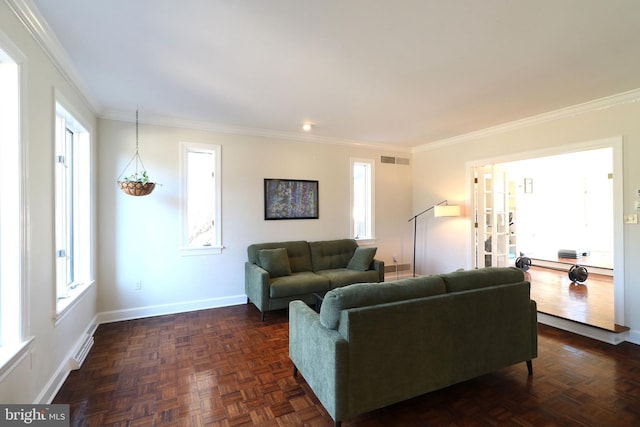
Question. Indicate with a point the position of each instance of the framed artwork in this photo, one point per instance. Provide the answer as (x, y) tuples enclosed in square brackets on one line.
[(290, 199)]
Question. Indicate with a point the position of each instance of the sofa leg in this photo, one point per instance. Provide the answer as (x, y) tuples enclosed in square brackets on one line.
[(262, 316), (530, 367), (295, 371), (337, 423)]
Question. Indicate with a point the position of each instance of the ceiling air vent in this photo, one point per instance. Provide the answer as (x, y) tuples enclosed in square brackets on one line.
[(394, 160)]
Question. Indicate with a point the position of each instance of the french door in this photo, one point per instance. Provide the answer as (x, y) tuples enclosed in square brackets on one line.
[(494, 210)]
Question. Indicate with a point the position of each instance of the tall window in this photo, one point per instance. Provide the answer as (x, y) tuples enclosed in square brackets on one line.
[(11, 213), (362, 190), (72, 206), (201, 164)]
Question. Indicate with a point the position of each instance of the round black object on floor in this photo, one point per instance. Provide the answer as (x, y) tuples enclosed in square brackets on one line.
[(578, 273), (523, 263)]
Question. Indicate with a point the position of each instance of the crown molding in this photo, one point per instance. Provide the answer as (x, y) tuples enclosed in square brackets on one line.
[(39, 29), (158, 120), (629, 97)]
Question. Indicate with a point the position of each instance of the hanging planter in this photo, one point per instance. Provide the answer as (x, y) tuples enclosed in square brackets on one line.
[(137, 183)]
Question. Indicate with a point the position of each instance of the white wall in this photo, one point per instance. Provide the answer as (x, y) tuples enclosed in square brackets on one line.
[(571, 205), (139, 236), (440, 173), (37, 375)]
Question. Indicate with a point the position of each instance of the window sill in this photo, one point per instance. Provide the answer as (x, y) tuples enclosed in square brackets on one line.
[(366, 242), (204, 250), (12, 355), (64, 305)]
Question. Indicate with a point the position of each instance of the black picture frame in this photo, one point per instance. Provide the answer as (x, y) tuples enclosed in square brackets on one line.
[(290, 199)]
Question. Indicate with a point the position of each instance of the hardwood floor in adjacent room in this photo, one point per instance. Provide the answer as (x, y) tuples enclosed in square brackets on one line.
[(223, 367), (591, 302)]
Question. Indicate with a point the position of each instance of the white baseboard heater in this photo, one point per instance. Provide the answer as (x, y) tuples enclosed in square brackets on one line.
[(79, 356)]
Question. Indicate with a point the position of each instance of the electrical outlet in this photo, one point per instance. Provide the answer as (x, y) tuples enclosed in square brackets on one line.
[(631, 219), (395, 259), (139, 285)]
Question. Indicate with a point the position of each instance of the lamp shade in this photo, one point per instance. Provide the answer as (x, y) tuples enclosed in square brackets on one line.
[(446, 210)]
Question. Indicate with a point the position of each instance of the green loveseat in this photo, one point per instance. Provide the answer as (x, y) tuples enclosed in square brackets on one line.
[(280, 272), (374, 345)]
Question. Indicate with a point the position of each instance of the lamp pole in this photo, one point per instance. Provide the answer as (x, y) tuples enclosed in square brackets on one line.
[(415, 229)]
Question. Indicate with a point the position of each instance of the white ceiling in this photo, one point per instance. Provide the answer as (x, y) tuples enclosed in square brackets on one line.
[(403, 72)]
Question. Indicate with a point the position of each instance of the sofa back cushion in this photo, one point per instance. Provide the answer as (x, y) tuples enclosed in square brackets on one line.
[(367, 294), (481, 278), (297, 251), (330, 254)]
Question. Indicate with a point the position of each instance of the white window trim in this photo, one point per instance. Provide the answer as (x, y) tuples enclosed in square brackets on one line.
[(14, 353), (369, 240), (217, 247), (64, 305)]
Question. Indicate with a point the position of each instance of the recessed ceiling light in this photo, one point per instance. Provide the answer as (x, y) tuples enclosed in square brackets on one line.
[(306, 127)]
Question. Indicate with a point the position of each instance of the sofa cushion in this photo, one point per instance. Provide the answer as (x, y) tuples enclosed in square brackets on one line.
[(341, 276), (330, 254), (367, 294), (481, 278), (298, 284), (298, 252), (275, 261), (362, 259)]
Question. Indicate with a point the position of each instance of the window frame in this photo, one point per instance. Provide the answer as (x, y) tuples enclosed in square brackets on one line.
[(15, 344), (80, 235), (370, 199), (217, 246)]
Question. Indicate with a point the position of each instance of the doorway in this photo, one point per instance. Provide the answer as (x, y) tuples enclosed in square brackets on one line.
[(540, 203)]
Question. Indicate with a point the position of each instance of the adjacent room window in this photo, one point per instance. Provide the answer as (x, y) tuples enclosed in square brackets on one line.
[(73, 252), (201, 223), (12, 291), (362, 200)]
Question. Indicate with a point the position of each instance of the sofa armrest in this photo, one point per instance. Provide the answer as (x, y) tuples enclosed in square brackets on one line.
[(378, 266), (321, 356), (256, 285)]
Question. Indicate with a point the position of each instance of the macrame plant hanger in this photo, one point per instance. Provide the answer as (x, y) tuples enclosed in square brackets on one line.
[(136, 184)]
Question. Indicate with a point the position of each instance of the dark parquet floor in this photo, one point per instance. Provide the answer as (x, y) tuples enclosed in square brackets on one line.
[(223, 367)]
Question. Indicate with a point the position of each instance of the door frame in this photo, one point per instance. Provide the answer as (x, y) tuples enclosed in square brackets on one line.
[(615, 143)]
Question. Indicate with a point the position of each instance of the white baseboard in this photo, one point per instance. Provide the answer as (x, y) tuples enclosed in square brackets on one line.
[(159, 310), (634, 337), (584, 330)]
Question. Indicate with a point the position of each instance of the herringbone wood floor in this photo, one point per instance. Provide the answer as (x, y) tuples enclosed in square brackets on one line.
[(223, 367)]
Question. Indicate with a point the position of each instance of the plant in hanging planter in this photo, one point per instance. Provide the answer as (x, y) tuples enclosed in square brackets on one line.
[(141, 177), (137, 184)]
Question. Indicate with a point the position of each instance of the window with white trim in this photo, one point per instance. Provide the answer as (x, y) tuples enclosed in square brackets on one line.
[(12, 287), (201, 208), (73, 251), (362, 199)]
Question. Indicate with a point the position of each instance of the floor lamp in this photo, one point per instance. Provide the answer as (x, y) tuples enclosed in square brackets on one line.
[(441, 209)]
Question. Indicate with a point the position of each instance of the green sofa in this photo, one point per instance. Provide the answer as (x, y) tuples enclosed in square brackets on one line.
[(280, 272), (373, 345)]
